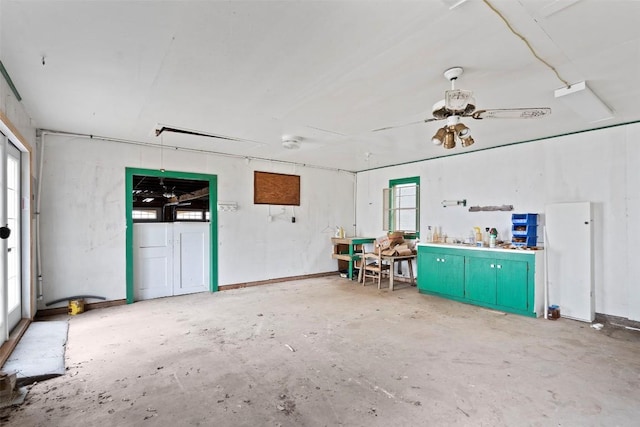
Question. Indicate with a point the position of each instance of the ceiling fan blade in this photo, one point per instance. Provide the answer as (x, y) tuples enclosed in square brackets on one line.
[(197, 133), (512, 113), (406, 124)]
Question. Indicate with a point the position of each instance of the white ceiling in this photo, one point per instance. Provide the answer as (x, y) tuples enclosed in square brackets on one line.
[(328, 71)]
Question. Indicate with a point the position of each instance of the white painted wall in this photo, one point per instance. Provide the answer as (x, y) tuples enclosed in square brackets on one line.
[(601, 166), (83, 216)]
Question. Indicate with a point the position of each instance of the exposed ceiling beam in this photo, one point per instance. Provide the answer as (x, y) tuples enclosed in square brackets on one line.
[(198, 194)]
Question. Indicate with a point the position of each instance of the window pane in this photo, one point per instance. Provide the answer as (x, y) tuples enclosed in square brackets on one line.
[(144, 214), (406, 220), (191, 215), (401, 207), (12, 176)]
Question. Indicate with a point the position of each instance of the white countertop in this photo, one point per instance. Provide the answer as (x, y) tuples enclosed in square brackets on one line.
[(480, 248)]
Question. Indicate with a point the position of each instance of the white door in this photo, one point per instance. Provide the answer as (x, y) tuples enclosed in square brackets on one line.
[(153, 260), (191, 257), (14, 263), (569, 259), (4, 327), (170, 259), (10, 252)]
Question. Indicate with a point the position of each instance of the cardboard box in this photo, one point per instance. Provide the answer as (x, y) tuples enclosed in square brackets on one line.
[(396, 237), (403, 249), (383, 242)]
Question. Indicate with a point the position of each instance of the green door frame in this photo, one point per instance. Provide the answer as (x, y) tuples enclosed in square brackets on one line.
[(213, 220)]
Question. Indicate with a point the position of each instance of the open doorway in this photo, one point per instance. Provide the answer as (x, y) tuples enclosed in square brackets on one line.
[(171, 233)]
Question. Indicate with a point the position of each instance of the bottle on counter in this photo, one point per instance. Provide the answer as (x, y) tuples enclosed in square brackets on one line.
[(478, 235), (493, 235), (429, 234)]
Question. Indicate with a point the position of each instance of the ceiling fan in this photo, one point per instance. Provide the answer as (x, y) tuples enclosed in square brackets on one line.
[(458, 103)]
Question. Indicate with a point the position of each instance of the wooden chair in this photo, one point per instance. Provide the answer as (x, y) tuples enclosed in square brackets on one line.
[(372, 265)]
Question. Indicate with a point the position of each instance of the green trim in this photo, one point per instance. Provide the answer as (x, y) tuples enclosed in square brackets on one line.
[(401, 181), (6, 76), (502, 146), (213, 221)]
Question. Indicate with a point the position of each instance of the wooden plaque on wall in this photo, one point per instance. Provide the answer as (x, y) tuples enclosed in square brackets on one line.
[(276, 189)]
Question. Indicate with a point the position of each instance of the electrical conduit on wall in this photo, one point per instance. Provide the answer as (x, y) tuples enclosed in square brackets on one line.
[(40, 291)]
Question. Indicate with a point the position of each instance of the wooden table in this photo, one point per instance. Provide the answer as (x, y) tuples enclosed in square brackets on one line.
[(354, 247), (391, 259)]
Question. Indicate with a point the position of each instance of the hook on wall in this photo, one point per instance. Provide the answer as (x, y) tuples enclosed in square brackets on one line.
[(446, 203)]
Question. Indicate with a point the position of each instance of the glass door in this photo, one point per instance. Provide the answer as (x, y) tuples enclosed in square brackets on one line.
[(14, 263)]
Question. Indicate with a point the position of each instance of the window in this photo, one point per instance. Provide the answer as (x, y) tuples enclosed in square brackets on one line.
[(144, 214), (401, 206), (189, 215)]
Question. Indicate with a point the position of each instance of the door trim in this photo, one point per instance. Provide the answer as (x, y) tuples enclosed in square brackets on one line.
[(213, 221)]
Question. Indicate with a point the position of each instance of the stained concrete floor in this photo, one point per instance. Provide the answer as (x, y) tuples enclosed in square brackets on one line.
[(329, 352)]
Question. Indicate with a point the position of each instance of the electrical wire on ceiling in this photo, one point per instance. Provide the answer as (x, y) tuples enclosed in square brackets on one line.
[(191, 150), (161, 153), (566, 83)]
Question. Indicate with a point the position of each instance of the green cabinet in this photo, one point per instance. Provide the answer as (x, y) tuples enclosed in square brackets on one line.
[(442, 273), (498, 279), (512, 284), (480, 279)]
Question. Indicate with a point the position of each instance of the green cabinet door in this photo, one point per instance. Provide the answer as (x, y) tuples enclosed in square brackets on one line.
[(441, 273), (452, 275), (480, 280), (429, 272), (512, 284)]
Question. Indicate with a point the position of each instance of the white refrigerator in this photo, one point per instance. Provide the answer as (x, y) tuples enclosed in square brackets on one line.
[(569, 253)]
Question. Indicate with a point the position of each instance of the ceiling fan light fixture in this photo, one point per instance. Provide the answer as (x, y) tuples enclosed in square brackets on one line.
[(467, 141), (462, 131), (458, 100), (449, 140), (438, 138)]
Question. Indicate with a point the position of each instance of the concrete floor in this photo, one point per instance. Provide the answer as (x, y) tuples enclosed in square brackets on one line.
[(361, 357)]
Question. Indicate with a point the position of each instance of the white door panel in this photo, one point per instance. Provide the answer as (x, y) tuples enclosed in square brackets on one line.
[(191, 257), (154, 234), (153, 264), (170, 259)]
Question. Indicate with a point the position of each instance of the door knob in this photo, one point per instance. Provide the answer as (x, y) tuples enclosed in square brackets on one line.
[(5, 232)]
